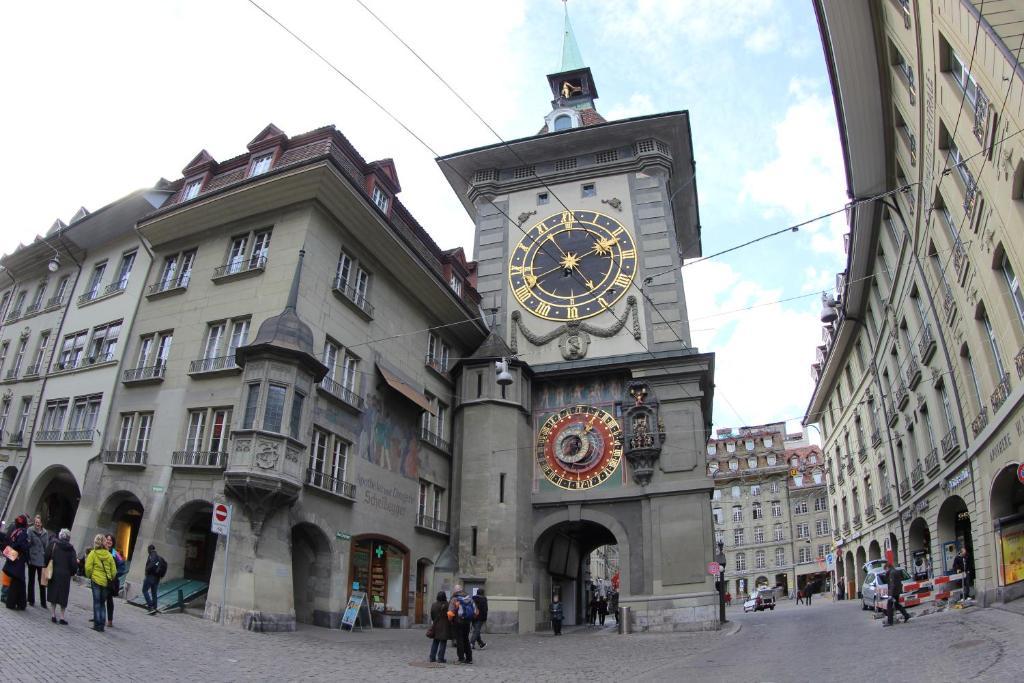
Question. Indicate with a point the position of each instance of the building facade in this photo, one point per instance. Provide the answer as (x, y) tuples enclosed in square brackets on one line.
[(769, 507), (918, 380)]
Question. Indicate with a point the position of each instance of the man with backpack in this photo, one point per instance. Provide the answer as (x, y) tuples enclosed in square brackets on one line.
[(480, 600), (156, 568), (462, 611)]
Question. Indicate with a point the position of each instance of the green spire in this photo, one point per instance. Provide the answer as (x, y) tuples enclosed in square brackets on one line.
[(571, 58)]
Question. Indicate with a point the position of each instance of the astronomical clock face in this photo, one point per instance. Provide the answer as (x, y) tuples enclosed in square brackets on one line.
[(572, 265), (579, 447)]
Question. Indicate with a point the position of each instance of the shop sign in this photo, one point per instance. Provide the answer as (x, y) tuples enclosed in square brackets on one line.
[(920, 506), (958, 479), (342, 536), (158, 489)]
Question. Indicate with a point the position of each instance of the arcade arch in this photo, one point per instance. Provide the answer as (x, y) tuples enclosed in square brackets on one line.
[(55, 496), (311, 573), (190, 545), (561, 551)]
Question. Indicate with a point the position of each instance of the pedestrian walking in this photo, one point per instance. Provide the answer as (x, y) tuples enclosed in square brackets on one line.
[(593, 609), (114, 589), (61, 565), (480, 600), (809, 592), (440, 630), (557, 615), (16, 553), (800, 596), (602, 609), (613, 606), (962, 565), (39, 540), (895, 581), (102, 572), (463, 611), (156, 568)]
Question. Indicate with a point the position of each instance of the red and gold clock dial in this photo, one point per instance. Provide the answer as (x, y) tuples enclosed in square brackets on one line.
[(579, 447)]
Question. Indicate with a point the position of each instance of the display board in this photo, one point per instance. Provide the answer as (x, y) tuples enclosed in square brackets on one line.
[(357, 612)]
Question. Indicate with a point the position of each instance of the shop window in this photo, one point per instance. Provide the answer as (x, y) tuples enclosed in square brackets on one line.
[(379, 568)]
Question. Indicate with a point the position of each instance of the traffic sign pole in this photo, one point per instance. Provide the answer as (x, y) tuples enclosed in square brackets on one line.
[(221, 524)]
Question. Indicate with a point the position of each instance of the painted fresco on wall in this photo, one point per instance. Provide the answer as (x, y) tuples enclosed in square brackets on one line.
[(387, 440), (548, 397)]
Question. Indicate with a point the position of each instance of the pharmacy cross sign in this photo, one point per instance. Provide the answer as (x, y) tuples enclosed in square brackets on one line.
[(379, 551)]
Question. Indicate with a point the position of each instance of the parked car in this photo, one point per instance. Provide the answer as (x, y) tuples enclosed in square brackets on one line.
[(763, 599), (875, 589)]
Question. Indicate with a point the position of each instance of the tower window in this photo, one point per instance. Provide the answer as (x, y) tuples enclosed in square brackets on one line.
[(542, 198), (588, 190), (501, 487), (563, 122)]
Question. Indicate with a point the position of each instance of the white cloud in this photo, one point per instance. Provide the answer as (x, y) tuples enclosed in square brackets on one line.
[(762, 370), (638, 104), (763, 39)]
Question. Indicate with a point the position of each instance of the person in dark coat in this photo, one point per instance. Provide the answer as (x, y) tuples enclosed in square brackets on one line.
[(557, 615), (65, 565), (809, 592), (19, 542), (602, 609), (442, 628), (39, 541), (962, 565), (895, 580), (480, 600)]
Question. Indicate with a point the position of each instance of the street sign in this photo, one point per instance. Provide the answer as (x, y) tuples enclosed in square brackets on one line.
[(220, 522), (1020, 473), (342, 536), (158, 489), (714, 568)]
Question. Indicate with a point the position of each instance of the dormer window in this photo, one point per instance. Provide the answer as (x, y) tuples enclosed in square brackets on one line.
[(456, 284), (767, 442), (192, 188), (713, 466), (381, 198), (261, 164), (734, 465), (712, 449), (730, 446), (771, 460), (752, 463), (563, 122), (750, 444)]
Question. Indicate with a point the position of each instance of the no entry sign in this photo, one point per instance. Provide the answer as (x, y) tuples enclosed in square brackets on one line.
[(221, 520), (714, 568), (1020, 473)]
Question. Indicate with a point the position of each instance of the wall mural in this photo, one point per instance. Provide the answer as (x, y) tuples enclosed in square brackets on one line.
[(388, 439)]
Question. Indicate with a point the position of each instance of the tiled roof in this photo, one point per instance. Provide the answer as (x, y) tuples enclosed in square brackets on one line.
[(588, 117)]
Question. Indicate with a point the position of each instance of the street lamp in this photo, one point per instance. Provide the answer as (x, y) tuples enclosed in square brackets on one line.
[(720, 559)]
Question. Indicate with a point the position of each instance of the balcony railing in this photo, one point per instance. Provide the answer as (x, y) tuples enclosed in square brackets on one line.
[(348, 291), (857, 521), (950, 444), (902, 396), (908, 76), (129, 458), (218, 364), (32, 308), (959, 258), (917, 476), (55, 301), (13, 314), (1018, 360), (78, 435), (931, 461), (434, 440), (846, 528), (150, 373), (341, 392), (240, 267), (841, 478), (980, 115), (885, 501), (904, 488), (436, 364), (16, 439), (205, 460), (851, 470), (427, 522), (169, 284), (32, 370), (913, 372), (832, 488), (48, 435), (876, 437), (115, 287), (891, 415), (11, 374), (980, 421), (325, 482), (862, 454), (869, 512), (926, 345), (1001, 393)]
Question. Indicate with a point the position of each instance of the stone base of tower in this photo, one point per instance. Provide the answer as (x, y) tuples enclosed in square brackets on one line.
[(252, 620), (664, 613), (510, 614)]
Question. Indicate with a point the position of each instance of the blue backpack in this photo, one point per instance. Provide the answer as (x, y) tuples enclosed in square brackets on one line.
[(467, 608)]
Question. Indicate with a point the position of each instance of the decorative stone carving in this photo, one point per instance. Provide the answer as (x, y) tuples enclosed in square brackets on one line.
[(267, 455), (614, 202), (644, 433), (243, 445), (574, 335), (525, 216)]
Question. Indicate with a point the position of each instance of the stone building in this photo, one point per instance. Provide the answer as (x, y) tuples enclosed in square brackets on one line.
[(918, 378), (769, 507)]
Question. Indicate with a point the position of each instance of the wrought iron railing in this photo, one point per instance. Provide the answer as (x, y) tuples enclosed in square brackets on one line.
[(885, 500), (124, 457), (980, 421), (902, 396), (341, 392), (1001, 393), (326, 482), (55, 301), (869, 512), (857, 521), (214, 460), (13, 314), (1018, 360), (950, 443), (931, 461), (216, 364), (434, 440), (169, 284), (876, 437), (428, 522), (436, 364), (959, 258), (240, 266), (904, 488), (926, 344), (32, 370), (11, 374), (115, 287), (32, 308), (917, 475), (78, 435), (48, 435), (143, 374), (350, 292), (913, 371)]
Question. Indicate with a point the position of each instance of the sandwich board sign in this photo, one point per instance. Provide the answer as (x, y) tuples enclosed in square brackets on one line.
[(357, 612)]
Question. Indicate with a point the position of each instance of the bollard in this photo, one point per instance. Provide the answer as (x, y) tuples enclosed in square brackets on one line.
[(624, 625)]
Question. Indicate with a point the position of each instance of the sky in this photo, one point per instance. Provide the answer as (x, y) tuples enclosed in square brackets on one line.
[(105, 98)]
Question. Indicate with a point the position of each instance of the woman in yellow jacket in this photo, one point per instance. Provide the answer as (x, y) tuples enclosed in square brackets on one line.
[(101, 571)]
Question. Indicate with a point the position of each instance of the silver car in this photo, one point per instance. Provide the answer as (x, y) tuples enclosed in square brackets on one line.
[(875, 589)]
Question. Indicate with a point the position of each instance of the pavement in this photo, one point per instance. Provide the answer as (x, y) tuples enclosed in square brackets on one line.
[(828, 641)]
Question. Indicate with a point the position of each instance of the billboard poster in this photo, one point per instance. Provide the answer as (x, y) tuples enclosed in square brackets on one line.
[(1011, 541)]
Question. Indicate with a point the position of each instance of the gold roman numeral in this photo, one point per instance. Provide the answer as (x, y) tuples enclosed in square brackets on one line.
[(573, 313), (523, 293), (567, 218), (622, 280), (628, 254), (543, 309)]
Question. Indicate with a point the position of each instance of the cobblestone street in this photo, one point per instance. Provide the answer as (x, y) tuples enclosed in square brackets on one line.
[(976, 645)]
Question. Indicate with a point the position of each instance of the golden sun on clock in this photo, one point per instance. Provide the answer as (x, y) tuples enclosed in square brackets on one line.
[(572, 265)]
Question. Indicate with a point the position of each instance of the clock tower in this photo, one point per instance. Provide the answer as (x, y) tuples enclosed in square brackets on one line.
[(579, 239)]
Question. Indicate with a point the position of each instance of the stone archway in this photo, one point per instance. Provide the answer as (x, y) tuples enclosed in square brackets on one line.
[(954, 532), (894, 546), (189, 544), (311, 574), (862, 559), (851, 576), (1006, 505), (919, 545), (613, 527), (874, 551), (55, 496), (121, 515), (561, 552), (7, 484)]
